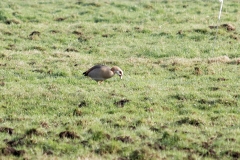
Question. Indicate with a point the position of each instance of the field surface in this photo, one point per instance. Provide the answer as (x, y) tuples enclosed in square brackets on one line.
[(179, 97)]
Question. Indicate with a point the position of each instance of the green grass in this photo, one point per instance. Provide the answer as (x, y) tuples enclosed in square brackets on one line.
[(180, 84)]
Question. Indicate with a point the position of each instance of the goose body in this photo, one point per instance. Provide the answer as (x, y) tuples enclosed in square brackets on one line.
[(100, 73)]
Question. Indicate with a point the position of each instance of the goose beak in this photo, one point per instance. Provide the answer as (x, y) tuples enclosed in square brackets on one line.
[(120, 74)]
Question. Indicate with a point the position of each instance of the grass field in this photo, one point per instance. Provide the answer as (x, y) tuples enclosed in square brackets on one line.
[(178, 99)]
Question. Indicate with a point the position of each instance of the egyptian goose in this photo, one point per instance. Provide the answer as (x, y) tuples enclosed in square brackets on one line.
[(100, 73)]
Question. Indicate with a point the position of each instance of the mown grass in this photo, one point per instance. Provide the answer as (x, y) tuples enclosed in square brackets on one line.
[(179, 97)]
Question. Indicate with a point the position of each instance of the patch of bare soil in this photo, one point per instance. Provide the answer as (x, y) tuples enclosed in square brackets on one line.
[(203, 31), (230, 139), (197, 71), (85, 143), (68, 134), (77, 32), (71, 50), (156, 146), (233, 154), (187, 120), (2, 64), (6, 129), (82, 104), (227, 26), (107, 35), (139, 29), (2, 55), (2, 84), (236, 61), (234, 36), (124, 139), (214, 88), (210, 152), (154, 129), (206, 101), (34, 35), (12, 151), (44, 124), (83, 38), (77, 112), (12, 21), (11, 47), (132, 127), (142, 154), (33, 131), (180, 32), (54, 31), (149, 109), (48, 152), (221, 59), (121, 103), (179, 97), (190, 157), (143, 137), (16, 142), (8, 33), (222, 79), (59, 19)]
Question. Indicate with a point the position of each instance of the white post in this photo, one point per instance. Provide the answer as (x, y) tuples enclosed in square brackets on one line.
[(219, 16), (220, 12)]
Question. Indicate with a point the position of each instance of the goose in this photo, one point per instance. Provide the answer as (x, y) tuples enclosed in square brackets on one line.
[(99, 73)]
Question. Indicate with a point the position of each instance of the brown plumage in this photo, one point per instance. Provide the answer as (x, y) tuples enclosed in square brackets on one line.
[(100, 73)]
